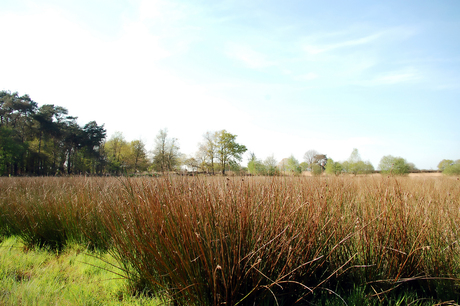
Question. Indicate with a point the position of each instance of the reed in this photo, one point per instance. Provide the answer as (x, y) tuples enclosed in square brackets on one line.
[(253, 241), (217, 241), (50, 212)]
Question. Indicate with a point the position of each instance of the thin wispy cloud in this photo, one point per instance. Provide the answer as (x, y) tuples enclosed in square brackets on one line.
[(316, 49), (397, 77), (354, 38), (408, 75)]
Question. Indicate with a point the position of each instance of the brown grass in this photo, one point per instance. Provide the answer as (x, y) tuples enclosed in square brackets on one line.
[(246, 241)]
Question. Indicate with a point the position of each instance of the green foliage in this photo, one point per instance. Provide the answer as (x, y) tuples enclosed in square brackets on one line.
[(290, 165), (345, 167), (137, 159), (365, 167), (115, 150), (443, 164), (355, 165), (10, 150), (304, 166), (332, 167), (452, 168), (46, 140), (412, 167), (166, 155), (221, 152), (256, 166), (316, 170), (228, 151), (394, 165), (270, 165), (293, 166)]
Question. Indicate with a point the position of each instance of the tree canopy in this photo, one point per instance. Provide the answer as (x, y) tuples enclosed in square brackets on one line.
[(333, 167), (46, 140), (394, 165), (255, 165), (228, 151), (207, 152), (310, 158), (355, 165), (166, 152), (449, 167)]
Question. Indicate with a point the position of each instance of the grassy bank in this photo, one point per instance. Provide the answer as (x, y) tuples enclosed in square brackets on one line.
[(39, 277), (246, 241)]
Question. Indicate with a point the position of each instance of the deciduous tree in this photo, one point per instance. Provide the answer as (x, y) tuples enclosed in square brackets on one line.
[(332, 167), (443, 164), (115, 150), (355, 165), (207, 152), (316, 170), (309, 157), (394, 165), (293, 166), (228, 150), (166, 155), (452, 168), (270, 166), (137, 158), (255, 165)]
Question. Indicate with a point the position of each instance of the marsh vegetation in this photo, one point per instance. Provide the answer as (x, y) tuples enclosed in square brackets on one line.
[(251, 240)]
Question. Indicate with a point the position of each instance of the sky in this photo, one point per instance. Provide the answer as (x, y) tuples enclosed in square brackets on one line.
[(284, 76)]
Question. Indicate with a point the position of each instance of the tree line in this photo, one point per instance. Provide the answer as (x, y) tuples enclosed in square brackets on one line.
[(218, 152), (46, 140), (318, 164)]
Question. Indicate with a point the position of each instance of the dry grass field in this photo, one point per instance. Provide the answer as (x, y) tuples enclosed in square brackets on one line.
[(422, 174), (254, 240), (426, 175)]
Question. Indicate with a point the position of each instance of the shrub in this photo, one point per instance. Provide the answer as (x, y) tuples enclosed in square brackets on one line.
[(443, 164), (394, 165), (453, 169), (316, 170)]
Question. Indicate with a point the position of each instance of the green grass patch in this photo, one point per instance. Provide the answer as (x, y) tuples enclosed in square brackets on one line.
[(70, 277)]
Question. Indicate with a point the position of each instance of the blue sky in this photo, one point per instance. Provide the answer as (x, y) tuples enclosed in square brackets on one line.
[(285, 76)]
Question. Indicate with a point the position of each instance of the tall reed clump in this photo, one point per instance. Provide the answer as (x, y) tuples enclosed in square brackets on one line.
[(409, 237), (31, 211), (50, 212), (282, 241), (239, 242)]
